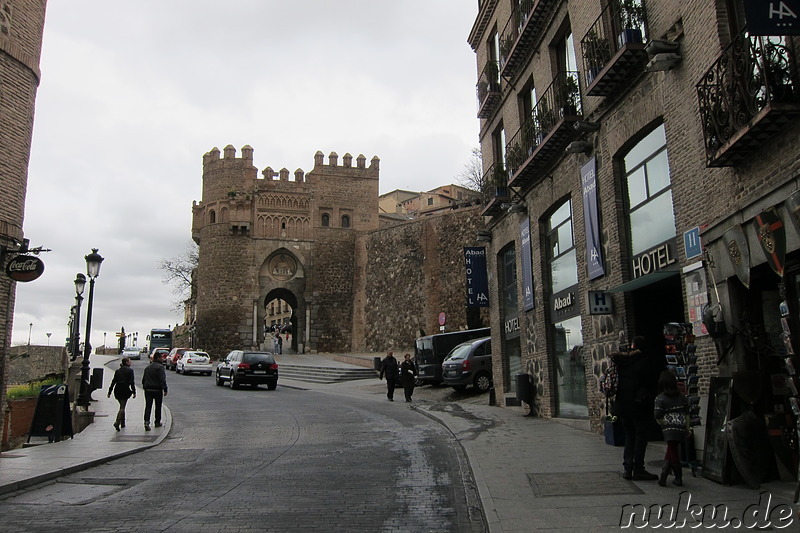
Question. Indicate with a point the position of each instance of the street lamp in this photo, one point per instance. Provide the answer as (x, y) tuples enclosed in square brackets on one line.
[(30, 329), (80, 284), (93, 262)]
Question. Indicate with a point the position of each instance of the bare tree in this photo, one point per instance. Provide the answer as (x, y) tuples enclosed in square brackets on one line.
[(178, 272), (472, 176)]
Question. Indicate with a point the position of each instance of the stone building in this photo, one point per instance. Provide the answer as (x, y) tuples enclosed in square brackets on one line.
[(21, 30), (639, 150), (317, 242)]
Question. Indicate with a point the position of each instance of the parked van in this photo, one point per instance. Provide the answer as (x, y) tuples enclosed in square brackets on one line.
[(469, 363), (431, 350)]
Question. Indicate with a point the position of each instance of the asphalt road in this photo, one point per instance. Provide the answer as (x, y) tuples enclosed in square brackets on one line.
[(260, 460)]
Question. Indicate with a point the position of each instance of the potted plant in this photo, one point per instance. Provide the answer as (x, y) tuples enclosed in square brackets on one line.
[(596, 53), (544, 120), (776, 71), (569, 95), (632, 18)]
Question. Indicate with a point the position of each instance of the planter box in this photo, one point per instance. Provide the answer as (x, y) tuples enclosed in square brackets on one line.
[(17, 421), (630, 35)]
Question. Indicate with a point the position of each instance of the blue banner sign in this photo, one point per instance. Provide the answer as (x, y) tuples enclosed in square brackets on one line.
[(591, 220), (772, 17), (477, 280), (527, 270)]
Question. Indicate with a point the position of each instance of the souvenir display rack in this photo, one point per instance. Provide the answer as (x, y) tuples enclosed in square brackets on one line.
[(681, 355)]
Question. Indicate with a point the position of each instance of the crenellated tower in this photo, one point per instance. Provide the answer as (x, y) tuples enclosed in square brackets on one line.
[(280, 234)]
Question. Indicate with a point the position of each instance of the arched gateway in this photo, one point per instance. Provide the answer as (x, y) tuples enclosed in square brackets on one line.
[(269, 237)]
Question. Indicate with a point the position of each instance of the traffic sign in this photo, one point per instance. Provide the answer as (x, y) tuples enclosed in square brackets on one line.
[(442, 318)]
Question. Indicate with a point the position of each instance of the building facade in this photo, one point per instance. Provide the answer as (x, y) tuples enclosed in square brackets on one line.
[(643, 163), (21, 30)]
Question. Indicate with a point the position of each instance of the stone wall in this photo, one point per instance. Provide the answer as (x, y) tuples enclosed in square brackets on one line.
[(412, 272), (35, 363)]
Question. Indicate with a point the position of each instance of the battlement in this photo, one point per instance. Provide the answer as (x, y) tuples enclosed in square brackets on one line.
[(212, 158)]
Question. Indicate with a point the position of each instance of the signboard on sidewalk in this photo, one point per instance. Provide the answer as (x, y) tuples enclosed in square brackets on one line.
[(52, 418)]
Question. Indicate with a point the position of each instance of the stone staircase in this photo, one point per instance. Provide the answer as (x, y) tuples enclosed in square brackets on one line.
[(323, 374)]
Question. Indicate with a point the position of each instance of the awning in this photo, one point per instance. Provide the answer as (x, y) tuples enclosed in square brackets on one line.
[(644, 281)]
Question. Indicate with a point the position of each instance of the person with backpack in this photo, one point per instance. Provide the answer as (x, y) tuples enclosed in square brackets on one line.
[(638, 372)]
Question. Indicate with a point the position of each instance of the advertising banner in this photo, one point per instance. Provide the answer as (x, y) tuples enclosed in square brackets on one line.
[(528, 302), (591, 220), (477, 279)]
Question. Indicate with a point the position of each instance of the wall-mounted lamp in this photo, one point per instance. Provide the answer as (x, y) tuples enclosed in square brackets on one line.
[(483, 235), (579, 147), (586, 126), (663, 55)]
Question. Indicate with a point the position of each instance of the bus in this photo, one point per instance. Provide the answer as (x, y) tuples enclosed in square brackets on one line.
[(430, 351), (160, 338)]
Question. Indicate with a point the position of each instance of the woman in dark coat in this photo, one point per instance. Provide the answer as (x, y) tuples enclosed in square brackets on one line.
[(123, 386), (638, 373), (408, 375)]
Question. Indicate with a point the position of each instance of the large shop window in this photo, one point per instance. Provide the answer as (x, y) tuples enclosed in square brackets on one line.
[(561, 248), (512, 355), (570, 370), (651, 216)]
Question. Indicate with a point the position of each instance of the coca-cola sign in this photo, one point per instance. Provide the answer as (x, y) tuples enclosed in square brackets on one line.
[(25, 268)]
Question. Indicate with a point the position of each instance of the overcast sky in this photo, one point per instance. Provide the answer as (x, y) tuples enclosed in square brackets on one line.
[(134, 93)]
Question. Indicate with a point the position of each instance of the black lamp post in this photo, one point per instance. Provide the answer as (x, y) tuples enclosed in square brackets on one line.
[(93, 262), (80, 284)]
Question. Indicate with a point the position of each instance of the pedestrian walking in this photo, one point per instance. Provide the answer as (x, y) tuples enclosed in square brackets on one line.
[(672, 414), (408, 376), (123, 385), (389, 369), (279, 342), (154, 383), (638, 373)]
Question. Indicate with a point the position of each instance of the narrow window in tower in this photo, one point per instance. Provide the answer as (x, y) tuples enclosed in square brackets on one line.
[(326, 220)]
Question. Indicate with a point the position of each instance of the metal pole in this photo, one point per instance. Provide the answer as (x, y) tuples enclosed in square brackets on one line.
[(87, 349)]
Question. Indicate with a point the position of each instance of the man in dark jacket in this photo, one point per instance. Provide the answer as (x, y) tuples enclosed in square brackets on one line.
[(154, 383), (638, 372), (390, 369)]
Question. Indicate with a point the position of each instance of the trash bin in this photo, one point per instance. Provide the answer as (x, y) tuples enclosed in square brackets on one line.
[(96, 381), (376, 363), (524, 388)]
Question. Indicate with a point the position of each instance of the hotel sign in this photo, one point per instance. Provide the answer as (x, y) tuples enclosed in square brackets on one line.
[(772, 17), (654, 259)]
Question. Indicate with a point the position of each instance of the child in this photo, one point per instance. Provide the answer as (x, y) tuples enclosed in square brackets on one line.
[(672, 414)]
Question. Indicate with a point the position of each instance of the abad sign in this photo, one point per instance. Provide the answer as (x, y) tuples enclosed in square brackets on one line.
[(25, 268)]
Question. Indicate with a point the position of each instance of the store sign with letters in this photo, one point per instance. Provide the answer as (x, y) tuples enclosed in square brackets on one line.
[(25, 268), (654, 259)]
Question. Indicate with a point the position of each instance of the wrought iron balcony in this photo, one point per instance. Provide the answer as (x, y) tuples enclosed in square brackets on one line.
[(614, 47), (522, 32), (548, 131), (747, 96), (488, 89), (495, 189), (485, 12)]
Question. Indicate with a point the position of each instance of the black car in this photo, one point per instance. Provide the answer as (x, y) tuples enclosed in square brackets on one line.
[(248, 368), (469, 363)]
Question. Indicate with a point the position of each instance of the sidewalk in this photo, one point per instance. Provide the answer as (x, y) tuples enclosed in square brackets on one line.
[(531, 474), (98, 443)]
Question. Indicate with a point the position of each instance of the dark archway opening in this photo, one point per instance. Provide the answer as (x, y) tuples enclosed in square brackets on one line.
[(280, 318)]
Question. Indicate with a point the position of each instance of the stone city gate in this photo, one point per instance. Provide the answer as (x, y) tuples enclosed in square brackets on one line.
[(268, 237)]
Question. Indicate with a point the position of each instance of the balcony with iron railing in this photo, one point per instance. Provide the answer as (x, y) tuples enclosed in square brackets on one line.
[(482, 21), (747, 97), (495, 189), (547, 132), (614, 47), (488, 89), (522, 32)]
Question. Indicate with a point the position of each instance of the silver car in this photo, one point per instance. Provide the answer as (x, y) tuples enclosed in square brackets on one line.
[(194, 361), (131, 352), (469, 363)]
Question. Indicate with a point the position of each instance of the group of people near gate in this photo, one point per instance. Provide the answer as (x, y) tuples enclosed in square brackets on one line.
[(646, 389), (154, 384), (404, 373)]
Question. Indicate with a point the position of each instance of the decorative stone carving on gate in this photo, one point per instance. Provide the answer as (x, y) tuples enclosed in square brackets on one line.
[(282, 267)]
